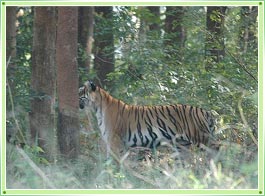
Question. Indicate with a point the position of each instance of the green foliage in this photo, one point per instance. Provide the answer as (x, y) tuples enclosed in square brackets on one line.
[(19, 99), (150, 72), (22, 71), (36, 154)]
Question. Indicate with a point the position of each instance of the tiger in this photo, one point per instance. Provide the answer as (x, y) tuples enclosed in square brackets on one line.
[(123, 126)]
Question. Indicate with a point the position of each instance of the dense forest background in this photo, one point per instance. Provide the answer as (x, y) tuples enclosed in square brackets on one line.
[(200, 56)]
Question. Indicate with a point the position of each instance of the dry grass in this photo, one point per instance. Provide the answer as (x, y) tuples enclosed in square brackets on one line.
[(233, 167)]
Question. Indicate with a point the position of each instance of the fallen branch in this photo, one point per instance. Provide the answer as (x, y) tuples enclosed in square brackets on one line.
[(36, 168)]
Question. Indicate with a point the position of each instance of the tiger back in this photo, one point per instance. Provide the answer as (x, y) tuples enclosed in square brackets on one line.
[(124, 125)]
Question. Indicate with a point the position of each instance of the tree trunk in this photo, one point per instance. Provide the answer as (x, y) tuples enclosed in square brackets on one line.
[(67, 80), (214, 47), (42, 115), (174, 25), (155, 11), (175, 30), (149, 23), (247, 30), (85, 35), (104, 45), (10, 49)]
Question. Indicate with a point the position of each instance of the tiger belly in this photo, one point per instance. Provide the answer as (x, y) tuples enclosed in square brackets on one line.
[(151, 137)]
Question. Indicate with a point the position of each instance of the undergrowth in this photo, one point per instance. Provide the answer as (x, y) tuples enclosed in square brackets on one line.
[(234, 166)]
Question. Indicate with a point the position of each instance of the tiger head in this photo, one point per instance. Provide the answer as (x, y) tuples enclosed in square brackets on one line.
[(87, 94)]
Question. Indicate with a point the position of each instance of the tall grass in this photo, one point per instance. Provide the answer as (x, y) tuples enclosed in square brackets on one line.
[(235, 166)]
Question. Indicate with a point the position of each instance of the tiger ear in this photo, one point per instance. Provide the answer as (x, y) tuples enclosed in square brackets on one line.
[(93, 86)]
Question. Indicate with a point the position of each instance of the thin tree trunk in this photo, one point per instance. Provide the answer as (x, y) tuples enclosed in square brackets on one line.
[(104, 45), (246, 34), (175, 30), (42, 115), (214, 47), (11, 49), (67, 80), (85, 34), (174, 25), (155, 10), (148, 26)]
